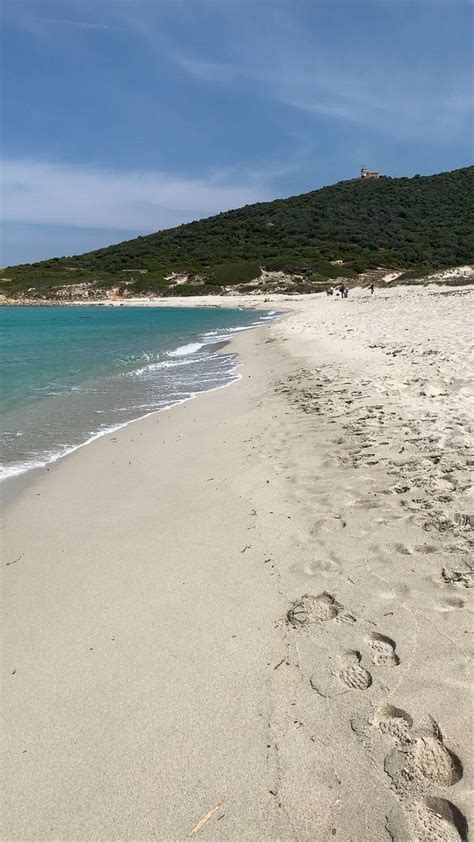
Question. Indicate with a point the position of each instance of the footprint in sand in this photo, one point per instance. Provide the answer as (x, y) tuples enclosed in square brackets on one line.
[(464, 520), (314, 609), (440, 821), (328, 525), (351, 673), (451, 603), (462, 577), (383, 650), (420, 757), (394, 722), (437, 764), (420, 760), (328, 566)]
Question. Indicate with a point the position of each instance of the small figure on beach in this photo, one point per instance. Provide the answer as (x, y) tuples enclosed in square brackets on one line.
[(330, 291), (346, 292), (342, 290), (371, 287)]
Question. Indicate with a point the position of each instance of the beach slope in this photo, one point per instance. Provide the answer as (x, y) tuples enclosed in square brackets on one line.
[(247, 618)]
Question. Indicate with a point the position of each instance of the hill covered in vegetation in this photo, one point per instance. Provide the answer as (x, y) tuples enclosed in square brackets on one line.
[(420, 223)]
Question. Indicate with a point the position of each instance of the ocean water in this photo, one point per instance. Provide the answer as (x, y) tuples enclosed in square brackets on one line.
[(71, 374)]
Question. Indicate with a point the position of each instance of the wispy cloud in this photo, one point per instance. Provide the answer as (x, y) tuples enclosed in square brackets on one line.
[(322, 89), (79, 24), (378, 82), (367, 83), (61, 194)]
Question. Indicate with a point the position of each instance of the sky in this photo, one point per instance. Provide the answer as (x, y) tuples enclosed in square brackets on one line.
[(122, 117)]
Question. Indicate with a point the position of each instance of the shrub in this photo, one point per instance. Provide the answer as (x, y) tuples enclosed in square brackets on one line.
[(408, 222), (234, 272)]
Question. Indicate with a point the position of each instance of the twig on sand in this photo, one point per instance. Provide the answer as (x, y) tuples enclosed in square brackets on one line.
[(204, 821), (7, 564)]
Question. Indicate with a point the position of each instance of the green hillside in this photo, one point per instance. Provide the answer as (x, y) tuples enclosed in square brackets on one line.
[(423, 222)]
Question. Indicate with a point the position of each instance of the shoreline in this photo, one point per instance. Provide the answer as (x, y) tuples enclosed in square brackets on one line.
[(9, 481), (41, 467), (161, 657), (247, 300)]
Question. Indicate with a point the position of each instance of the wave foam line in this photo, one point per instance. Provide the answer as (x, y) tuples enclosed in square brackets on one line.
[(185, 350), (9, 471)]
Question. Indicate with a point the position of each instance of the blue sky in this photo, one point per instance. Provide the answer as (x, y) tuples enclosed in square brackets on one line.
[(121, 117)]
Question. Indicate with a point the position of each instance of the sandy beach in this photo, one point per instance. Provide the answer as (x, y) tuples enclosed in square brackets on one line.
[(248, 618)]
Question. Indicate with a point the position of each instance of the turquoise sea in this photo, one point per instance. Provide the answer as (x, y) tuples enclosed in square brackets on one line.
[(71, 374)]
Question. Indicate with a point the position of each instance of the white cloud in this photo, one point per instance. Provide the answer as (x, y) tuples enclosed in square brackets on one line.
[(80, 196)]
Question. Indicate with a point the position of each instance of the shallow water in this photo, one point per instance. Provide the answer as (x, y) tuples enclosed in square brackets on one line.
[(70, 374)]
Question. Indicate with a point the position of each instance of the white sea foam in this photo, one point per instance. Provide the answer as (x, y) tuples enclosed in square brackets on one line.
[(7, 471), (178, 363), (243, 327), (185, 350)]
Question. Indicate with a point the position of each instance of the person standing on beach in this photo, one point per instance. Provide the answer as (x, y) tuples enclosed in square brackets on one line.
[(371, 289)]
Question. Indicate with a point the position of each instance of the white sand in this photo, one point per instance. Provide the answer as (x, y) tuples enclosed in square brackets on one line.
[(150, 671)]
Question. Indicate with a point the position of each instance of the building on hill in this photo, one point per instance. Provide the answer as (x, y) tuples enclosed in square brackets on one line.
[(365, 173)]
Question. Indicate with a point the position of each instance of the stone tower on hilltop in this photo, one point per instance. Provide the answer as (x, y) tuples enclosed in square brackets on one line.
[(365, 173)]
